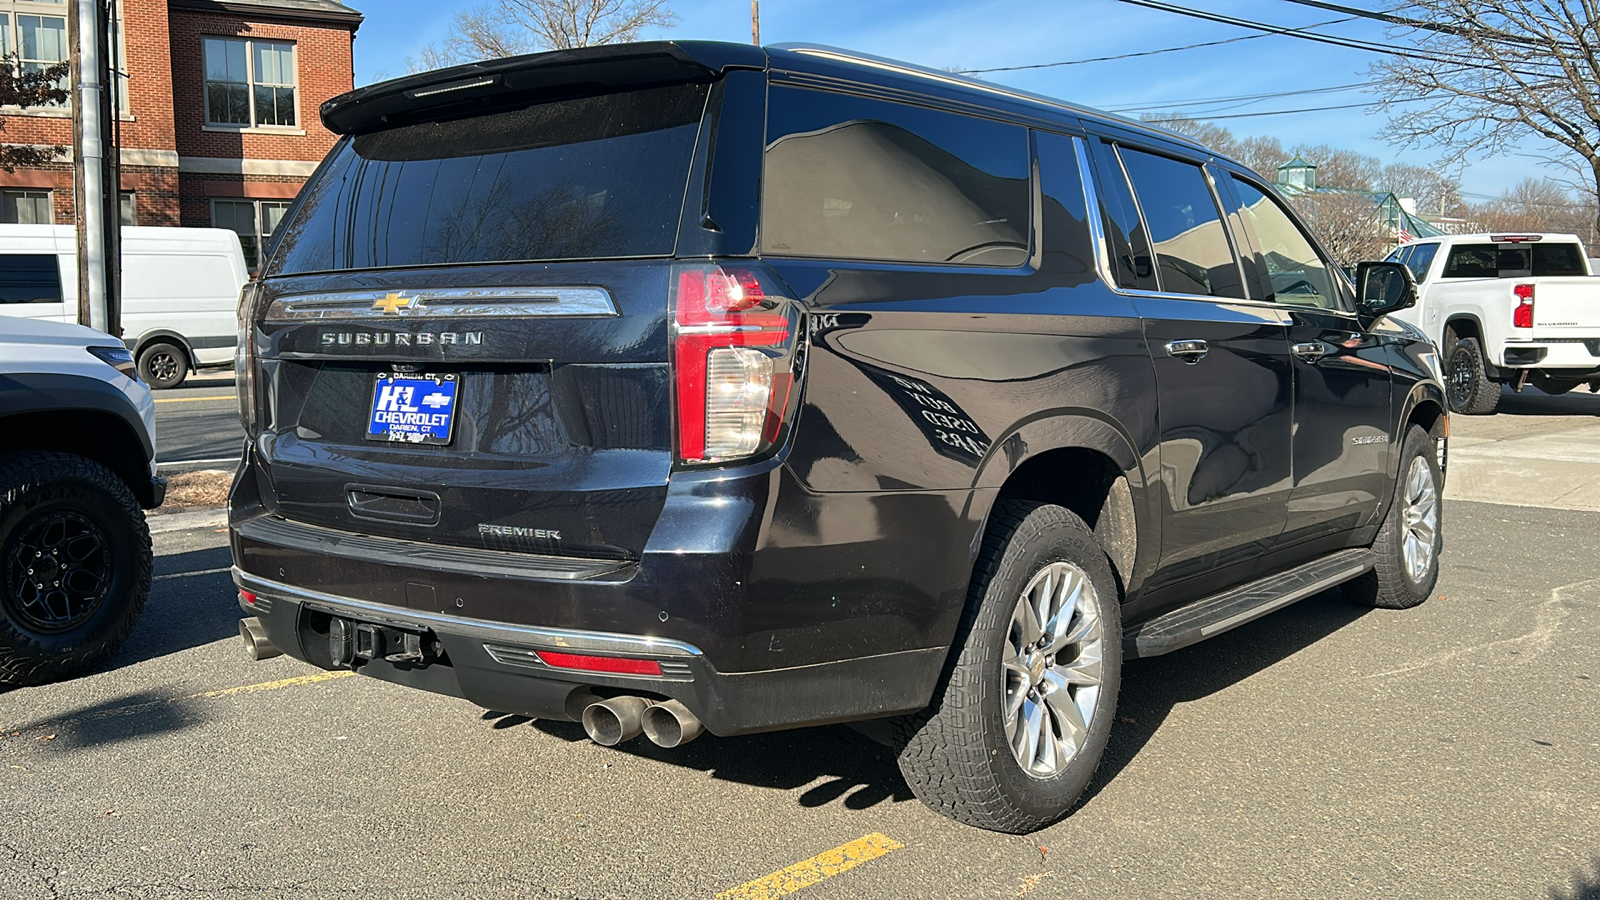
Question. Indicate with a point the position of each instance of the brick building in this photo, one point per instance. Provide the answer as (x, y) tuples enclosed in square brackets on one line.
[(219, 102)]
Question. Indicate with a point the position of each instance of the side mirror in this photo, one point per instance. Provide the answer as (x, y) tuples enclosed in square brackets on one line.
[(1383, 288)]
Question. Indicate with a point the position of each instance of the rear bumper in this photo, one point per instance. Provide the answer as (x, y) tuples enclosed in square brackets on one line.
[(496, 666), (1580, 355)]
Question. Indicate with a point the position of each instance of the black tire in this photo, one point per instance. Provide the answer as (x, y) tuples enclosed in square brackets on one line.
[(1392, 583), (956, 755), (163, 366), (85, 523), (1467, 382)]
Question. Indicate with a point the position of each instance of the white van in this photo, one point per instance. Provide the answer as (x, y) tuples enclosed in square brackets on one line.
[(180, 291)]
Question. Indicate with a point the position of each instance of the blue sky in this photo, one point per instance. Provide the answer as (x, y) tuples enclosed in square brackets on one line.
[(988, 33)]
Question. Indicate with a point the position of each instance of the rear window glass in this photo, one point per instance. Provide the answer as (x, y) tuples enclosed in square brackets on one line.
[(1557, 260), (29, 278), (1514, 260), (852, 178), (585, 178)]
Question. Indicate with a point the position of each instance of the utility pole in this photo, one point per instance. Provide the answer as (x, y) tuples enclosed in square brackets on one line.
[(94, 167), (755, 22)]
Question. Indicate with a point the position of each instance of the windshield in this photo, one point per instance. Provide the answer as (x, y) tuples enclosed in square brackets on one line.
[(584, 178)]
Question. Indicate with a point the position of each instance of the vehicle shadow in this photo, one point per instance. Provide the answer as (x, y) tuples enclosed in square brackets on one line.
[(862, 773), (1584, 885), (191, 605), (1151, 688), (126, 718), (1534, 402), (855, 770)]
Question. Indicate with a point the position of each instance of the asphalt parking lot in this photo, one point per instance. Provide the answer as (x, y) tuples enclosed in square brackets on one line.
[(1323, 751)]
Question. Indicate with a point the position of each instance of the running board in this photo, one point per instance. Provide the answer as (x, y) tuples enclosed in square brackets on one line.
[(1234, 607)]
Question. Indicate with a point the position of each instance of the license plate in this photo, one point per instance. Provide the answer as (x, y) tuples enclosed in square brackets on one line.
[(413, 409)]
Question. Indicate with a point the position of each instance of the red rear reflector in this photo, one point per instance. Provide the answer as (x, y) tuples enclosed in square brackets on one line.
[(600, 663), (248, 597), (1522, 316)]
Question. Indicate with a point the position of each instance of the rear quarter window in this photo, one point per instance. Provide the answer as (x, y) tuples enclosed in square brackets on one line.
[(855, 178)]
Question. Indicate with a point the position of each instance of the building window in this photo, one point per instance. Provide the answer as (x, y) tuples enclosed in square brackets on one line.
[(127, 210), (27, 208), (31, 35), (254, 220), (250, 83)]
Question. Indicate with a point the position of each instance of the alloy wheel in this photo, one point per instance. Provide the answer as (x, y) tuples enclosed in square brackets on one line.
[(57, 572), (1052, 669), (1420, 515)]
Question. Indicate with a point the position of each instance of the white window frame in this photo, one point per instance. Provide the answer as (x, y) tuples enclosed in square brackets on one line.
[(260, 238), (250, 84), (49, 198), (9, 10)]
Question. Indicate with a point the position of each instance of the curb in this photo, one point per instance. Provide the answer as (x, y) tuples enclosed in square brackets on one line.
[(210, 517)]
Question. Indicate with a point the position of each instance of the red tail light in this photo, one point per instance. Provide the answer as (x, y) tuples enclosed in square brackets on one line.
[(1522, 315), (616, 664), (248, 597), (734, 358)]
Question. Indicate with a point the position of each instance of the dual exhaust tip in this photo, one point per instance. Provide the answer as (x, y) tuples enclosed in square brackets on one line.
[(607, 722), (666, 724)]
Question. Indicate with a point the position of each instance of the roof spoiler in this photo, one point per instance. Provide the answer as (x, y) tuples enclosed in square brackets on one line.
[(494, 83)]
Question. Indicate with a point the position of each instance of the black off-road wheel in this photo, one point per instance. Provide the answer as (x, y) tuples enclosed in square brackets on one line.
[(1409, 541), (1021, 716), (1467, 382), (163, 365), (74, 566)]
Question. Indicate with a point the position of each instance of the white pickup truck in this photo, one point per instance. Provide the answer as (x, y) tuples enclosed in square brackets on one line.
[(1511, 309)]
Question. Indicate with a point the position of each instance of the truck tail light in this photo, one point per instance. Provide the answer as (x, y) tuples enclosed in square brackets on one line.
[(1522, 314), (735, 357)]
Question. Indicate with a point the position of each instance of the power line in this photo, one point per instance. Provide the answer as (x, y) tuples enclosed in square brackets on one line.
[(1445, 57), (1207, 101), (1079, 62), (1420, 24), (1285, 112)]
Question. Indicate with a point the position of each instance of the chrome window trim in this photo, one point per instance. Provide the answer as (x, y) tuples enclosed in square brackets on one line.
[(1097, 234), (563, 639), (446, 303)]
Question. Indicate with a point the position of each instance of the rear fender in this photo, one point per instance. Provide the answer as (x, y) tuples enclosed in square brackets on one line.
[(1053, 430)]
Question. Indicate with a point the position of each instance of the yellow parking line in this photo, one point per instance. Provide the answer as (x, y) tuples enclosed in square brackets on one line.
[(818, 868), (135, 708), (196, 399), (274, 685)]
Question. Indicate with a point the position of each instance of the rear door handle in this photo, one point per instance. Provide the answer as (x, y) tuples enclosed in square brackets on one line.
[(1190, 352), (1311, 351)]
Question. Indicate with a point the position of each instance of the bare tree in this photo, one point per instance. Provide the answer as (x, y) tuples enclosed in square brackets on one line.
[(1349, 225), (1434, 192), (1338, 168), (502, 28), (1540, 204), (40, 87), (1482, 75)]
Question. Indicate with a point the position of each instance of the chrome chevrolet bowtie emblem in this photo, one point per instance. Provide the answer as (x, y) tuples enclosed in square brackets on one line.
[(392, 303)]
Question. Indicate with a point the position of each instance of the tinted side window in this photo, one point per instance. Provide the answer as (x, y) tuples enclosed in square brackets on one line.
[(852, 178), (1297, 272), (1065, 240), (1193, 255), (1400, 253), (1472, 261), (1420, 259), (29, 278), (1129, 245), (1557, 260)]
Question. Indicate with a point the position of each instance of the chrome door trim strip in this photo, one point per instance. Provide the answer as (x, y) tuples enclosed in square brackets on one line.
[(446, 303)]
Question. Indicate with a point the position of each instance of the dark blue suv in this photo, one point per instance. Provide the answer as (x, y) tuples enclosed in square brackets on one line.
[(688, 386)]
